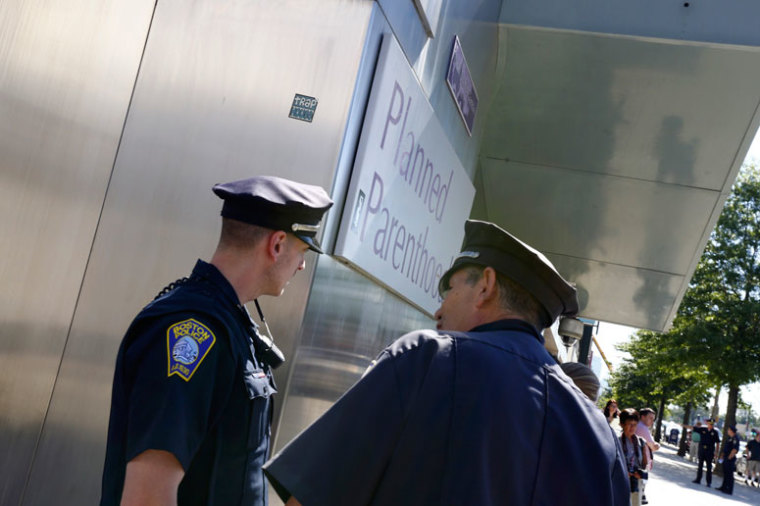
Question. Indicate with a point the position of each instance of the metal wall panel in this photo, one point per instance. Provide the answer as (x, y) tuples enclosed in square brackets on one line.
[(475, 23), (617, 150), (67, 70), (721, 21), (645, 109), (211, 104), (349, 319)]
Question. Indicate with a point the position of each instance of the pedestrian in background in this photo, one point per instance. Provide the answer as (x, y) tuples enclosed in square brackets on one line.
[(694, 447), (643, 430), (583, 377), (753, 460), (611, 413), (633, 451)]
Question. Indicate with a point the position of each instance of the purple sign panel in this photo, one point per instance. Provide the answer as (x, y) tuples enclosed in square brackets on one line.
[(462, 88)]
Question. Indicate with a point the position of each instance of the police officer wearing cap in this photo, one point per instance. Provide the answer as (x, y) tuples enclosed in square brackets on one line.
[(476, 412), (709, 439), (192, 394), (728, 459)]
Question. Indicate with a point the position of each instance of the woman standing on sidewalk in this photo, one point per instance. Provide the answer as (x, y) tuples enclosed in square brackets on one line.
[(635, 459)]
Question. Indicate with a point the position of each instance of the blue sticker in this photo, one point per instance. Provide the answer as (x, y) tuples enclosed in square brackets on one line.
[(187, 344)]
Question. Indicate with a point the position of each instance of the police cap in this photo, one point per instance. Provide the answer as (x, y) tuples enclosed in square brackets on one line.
[(276, 203), (488, 245)]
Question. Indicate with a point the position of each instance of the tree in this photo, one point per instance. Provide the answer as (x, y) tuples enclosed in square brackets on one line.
[(719, 317), (657, 373), (715, 338)]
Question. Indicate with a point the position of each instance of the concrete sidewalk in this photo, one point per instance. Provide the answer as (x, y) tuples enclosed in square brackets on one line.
[(670, 484)]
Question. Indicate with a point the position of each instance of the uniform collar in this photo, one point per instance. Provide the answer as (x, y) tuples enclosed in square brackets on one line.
[(515, 325), (209, 273)]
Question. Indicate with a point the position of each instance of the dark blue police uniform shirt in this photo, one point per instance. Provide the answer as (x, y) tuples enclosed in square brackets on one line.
[(187, 381), (707, 439), (732, 443), (484, 417)]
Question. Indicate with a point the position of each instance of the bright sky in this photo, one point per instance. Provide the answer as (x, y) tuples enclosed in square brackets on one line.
[(610, 334)]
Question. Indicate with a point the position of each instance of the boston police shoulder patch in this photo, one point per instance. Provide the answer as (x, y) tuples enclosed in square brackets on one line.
[(187, 344)]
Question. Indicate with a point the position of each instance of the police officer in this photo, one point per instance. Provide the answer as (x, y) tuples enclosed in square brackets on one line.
[(709, 438), (475, 413), (191, 404), (728, 458)]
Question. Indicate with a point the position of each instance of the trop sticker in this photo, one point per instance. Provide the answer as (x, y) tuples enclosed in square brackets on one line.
[(187, 342)]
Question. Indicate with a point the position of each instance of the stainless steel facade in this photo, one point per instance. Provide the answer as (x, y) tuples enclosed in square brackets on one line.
[(106, 177), (118, 116), (67, 70), (349, 319)]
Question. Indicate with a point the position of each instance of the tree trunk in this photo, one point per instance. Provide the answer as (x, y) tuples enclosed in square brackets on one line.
[(683, 446), (660, 412), (733, 397), (714, 414)]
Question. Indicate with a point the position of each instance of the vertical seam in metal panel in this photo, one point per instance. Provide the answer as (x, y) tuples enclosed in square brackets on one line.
[(348, 147), (89, 257)]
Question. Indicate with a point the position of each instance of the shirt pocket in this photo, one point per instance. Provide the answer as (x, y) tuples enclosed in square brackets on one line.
[(259, 392)]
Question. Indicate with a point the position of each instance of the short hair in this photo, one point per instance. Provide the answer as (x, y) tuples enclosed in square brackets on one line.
[(629, 414), (647, 411), (583, 377), (512, 296), (239, 235)]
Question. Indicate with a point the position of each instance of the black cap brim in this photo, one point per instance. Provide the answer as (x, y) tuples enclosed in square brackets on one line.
[(312, 242)]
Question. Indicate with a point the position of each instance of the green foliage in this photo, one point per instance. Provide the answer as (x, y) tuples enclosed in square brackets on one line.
[(657, 369), (719, 317), (715, 338)]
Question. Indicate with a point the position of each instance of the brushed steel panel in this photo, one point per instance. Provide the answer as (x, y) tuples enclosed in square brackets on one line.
[(609, 219), (211, 104), (640, 108), (66, 76), (348, 321), (630, 296)]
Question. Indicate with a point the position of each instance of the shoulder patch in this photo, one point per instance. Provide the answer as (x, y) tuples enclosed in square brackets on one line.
[(187, 344)]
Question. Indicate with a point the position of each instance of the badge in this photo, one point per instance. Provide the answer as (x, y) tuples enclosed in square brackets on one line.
[(187, 342)]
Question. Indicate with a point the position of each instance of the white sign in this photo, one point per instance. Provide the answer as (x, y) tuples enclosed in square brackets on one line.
[(409, 196)]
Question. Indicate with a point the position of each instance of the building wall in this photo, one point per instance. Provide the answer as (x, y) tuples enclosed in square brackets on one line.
[(117, 118), (349, 319)]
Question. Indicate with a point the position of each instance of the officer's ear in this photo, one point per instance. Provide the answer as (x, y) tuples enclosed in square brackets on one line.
[(488, 288), (276, 244)]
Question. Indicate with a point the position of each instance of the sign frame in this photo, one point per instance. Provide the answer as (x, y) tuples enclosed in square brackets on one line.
[(461, 86)]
